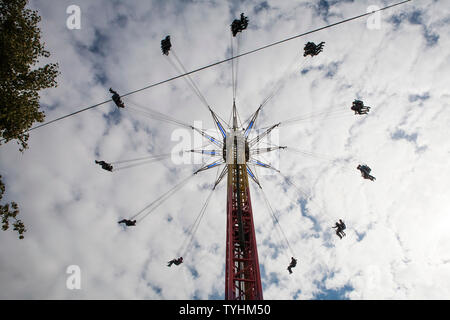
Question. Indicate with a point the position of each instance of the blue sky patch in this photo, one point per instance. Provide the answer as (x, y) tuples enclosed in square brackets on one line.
[(193, 272), (332, 69), (421, 97), (113, 117), (322, 8), (416, 18), (260, 7), (334, 294), (305, 70), (305, 214), (100, 45), (360, 236), (121, 20), (430, 37), (401, 134)]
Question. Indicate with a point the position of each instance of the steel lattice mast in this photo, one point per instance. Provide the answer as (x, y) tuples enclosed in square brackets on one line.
[(242, 276)]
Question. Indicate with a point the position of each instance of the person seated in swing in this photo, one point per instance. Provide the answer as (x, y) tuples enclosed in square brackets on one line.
[(343, 227), (312, 49), (292, 265), (244, 22), (340, 227), (309, 49), (359, 107), (166, 45), (116, 98), (127, 222), (105, 165), (319, 48), (239, 25), (365, 172), (175, 262), (338, 230)]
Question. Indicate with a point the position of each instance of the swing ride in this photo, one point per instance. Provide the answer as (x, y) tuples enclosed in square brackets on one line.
[(235, 156)]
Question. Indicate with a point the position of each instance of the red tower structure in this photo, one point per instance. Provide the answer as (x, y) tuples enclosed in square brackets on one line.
[(242, 275)]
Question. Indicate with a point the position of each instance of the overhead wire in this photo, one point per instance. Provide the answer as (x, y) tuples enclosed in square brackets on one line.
[(218, 62), (271, 45)]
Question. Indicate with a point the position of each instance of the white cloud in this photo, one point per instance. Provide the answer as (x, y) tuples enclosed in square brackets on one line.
[(397, 240)]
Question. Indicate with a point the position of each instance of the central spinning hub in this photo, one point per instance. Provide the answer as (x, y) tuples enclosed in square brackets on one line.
[(237, 145)]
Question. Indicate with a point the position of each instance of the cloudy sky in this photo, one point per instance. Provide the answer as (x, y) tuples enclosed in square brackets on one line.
[(397, 244)]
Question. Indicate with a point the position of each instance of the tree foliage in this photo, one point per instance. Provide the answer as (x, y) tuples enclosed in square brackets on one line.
[(21, 79), (20, 83), (9, 212)]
